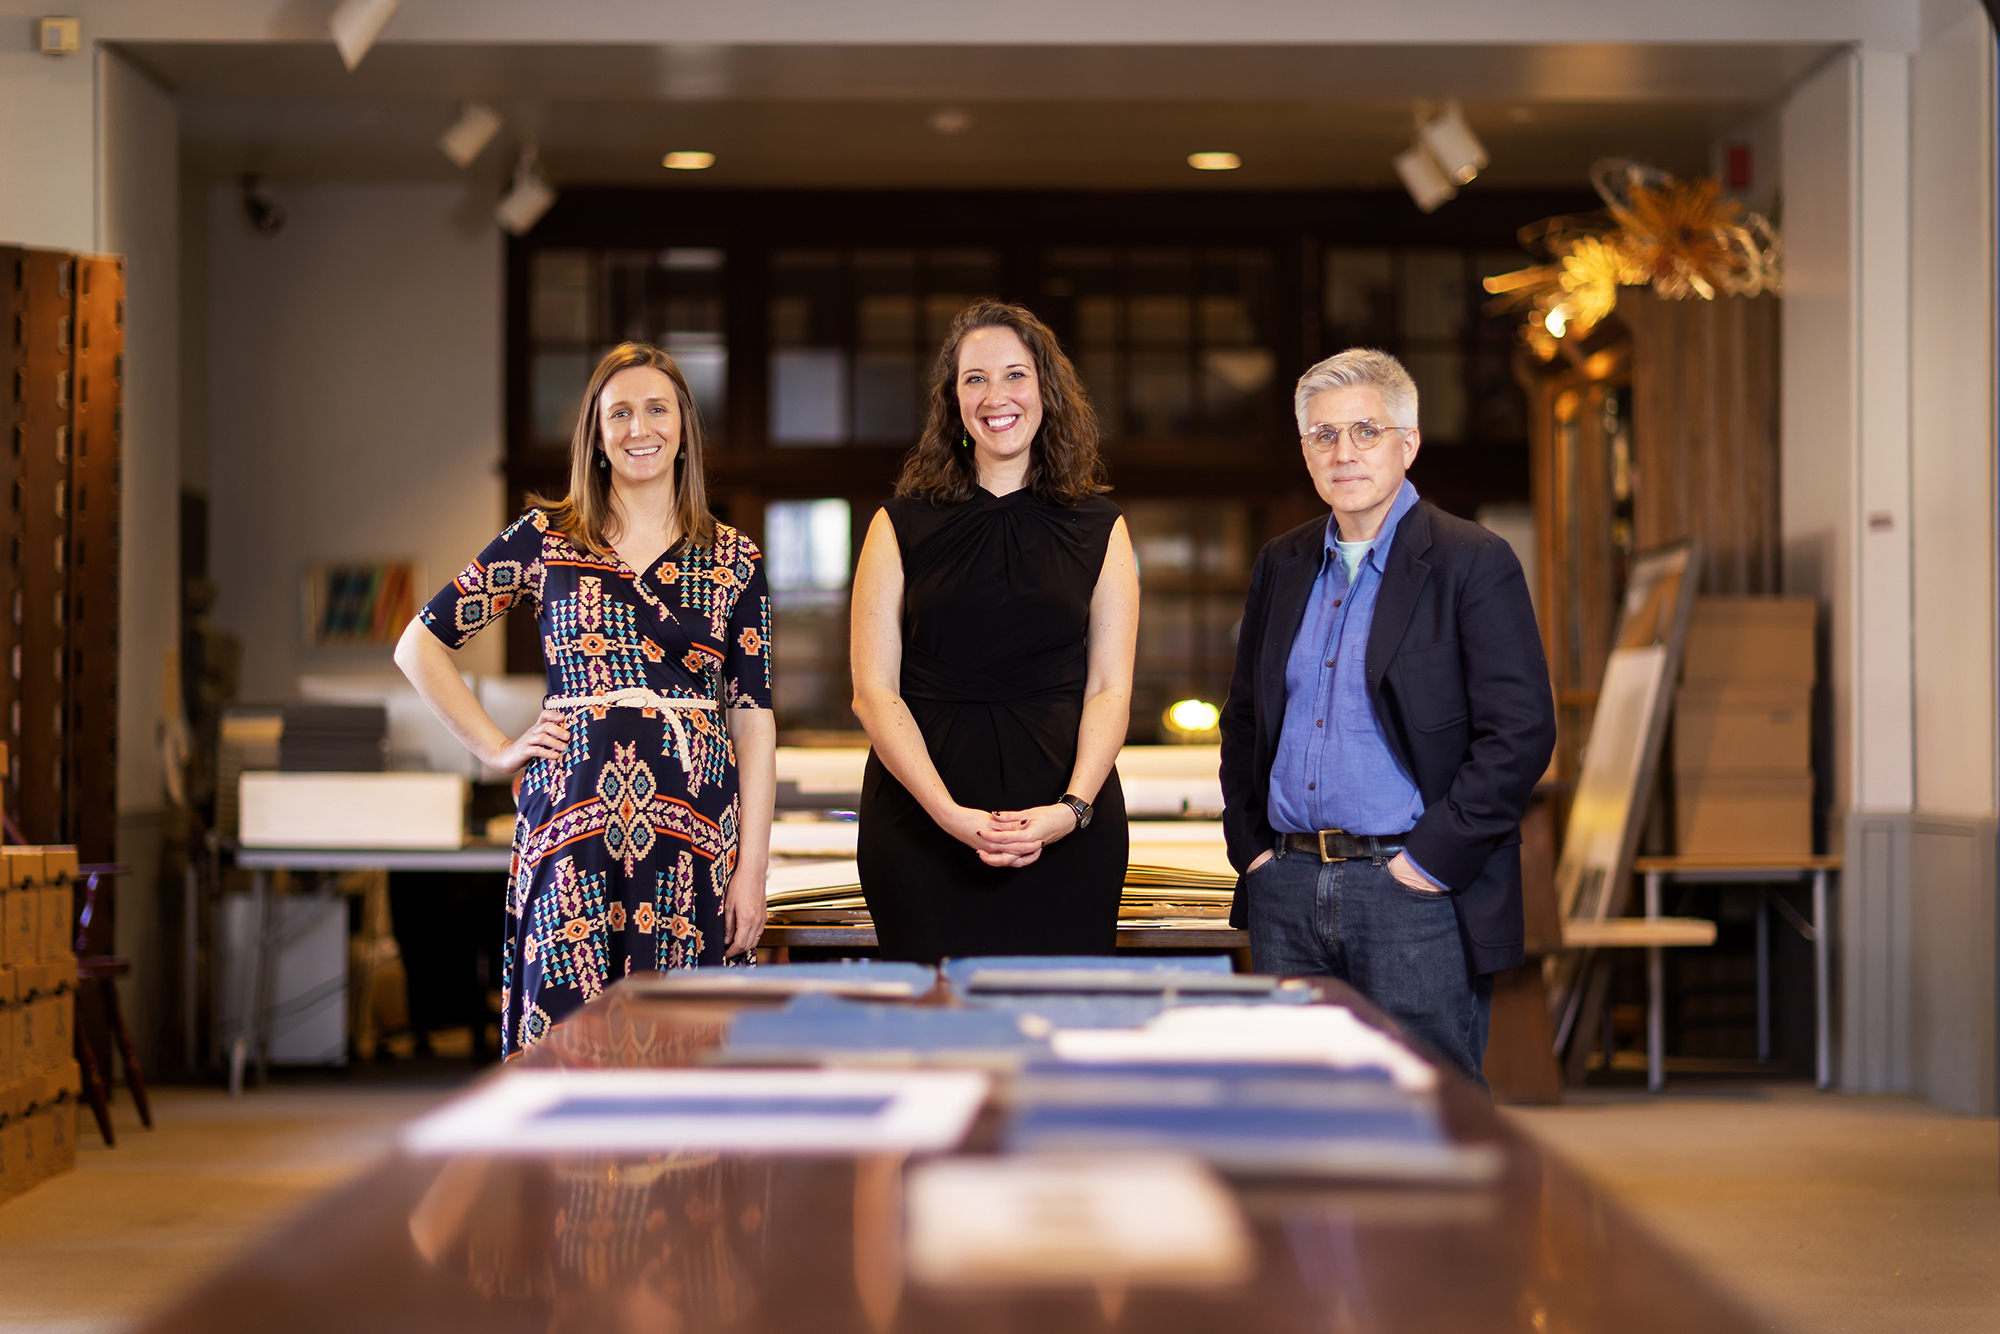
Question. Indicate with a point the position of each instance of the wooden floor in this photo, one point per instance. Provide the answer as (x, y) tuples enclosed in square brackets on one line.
[(138, 1224), (1825, 1213)]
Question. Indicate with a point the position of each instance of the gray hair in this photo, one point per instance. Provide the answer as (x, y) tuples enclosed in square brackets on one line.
[(1356, 368)]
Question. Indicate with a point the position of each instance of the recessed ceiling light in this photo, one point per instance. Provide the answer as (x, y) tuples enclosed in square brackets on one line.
[(685, 160), (951, 121), (1214, 161)]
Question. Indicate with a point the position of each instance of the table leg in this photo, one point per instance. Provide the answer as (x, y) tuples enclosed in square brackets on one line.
[(1823, 1019), (1763, 974), (1656, 988)]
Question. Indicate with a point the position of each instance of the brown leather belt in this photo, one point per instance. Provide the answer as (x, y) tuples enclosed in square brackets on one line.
[(1337, 845)]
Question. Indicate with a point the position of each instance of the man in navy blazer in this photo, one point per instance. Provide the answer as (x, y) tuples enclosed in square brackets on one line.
[(1388, 718)]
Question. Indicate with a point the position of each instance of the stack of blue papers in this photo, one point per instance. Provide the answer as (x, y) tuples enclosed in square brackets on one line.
[(1202, 975), (823, 1029), (1270, 1119), (868, 979)]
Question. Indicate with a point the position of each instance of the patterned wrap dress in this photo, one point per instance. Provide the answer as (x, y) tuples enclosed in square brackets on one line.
[(624, 846)]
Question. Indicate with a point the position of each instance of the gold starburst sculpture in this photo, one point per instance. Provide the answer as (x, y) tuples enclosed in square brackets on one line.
[(1683, 239)]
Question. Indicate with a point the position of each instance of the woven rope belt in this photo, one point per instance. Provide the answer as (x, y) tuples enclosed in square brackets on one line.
[(639, 697)]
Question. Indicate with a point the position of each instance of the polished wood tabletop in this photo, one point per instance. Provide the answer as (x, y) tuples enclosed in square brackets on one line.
[(666, 1244)]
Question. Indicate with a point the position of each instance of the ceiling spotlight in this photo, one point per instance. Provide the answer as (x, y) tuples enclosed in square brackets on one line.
[(355, 24), (1421, 177), (1451, 142), (469, 134), (951, 121), (1214, 161), (531, 196), (688, 160), (1446, 155)]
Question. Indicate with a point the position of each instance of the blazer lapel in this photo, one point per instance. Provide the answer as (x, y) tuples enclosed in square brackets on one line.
[(1291, 587), (1402, 580)]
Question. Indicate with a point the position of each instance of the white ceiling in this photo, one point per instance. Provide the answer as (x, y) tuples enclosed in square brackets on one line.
[(1299, 116)]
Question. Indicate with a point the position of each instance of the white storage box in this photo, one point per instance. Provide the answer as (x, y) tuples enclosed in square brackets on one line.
[(399, 810)]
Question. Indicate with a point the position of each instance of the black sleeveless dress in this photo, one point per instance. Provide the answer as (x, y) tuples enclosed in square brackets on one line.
[(996, 610)]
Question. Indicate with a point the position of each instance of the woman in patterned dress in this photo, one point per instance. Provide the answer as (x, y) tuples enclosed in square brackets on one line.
[(645, 787)]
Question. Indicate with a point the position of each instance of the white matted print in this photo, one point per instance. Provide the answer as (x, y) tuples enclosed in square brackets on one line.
[(743, 1111)]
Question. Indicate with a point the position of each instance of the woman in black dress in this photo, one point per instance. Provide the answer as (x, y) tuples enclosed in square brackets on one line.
[(996, 609)]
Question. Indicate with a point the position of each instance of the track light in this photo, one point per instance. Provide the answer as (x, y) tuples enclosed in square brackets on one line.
[(469, 134), (1453, 146), (1447, 154), (355, 24), (531, 197), (1421, 177)]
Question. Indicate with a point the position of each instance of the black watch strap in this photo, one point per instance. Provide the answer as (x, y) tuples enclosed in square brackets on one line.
[(1079, 807)]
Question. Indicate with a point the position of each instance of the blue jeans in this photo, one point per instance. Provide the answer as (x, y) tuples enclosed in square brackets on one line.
[(1397, 946)]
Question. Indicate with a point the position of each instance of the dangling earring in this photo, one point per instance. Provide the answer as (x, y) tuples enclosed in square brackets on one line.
[(964, 438), (603, 459)]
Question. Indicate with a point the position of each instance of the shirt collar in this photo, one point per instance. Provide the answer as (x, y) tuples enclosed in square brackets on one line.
[(1378, 550)]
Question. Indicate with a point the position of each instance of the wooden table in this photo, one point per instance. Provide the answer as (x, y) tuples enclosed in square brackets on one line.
[(812, 1245)]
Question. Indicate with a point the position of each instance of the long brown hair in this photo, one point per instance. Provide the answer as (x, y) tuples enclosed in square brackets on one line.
[(1064, 465), (584, 515)]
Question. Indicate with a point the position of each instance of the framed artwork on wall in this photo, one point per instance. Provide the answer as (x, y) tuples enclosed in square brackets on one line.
[(352, 604)]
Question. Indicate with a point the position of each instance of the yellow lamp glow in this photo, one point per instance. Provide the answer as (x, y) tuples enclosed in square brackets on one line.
[(1557, 321), (1214, 161), (1192, 718), (683, 160)]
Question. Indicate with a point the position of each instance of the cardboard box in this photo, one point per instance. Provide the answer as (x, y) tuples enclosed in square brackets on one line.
[(1727, 815), (24, 926), (59, 863), (1750, 639), (7, 959), (62, 1132), (53, 928), (353, 810), (1743, 730), (13, 1144), (24, 864)]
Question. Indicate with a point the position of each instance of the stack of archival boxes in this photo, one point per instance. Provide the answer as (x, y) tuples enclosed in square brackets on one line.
[(38, 1073), (1743, 783)]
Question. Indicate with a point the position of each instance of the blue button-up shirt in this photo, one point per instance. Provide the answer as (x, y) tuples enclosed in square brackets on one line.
[(1334, 768)]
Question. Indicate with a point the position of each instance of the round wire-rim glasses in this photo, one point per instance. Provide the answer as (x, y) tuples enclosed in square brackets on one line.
[(1363, 435)]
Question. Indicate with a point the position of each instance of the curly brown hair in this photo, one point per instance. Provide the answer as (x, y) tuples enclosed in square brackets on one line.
[(585, 515), (1064, 464)]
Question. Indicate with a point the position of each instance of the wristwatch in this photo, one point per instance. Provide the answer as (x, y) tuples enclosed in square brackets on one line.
[(1079, 807)]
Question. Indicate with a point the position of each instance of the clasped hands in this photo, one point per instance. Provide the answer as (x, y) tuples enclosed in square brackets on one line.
[(1010, 838)]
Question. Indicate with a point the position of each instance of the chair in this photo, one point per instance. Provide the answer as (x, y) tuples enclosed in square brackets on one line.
[(105, 970)]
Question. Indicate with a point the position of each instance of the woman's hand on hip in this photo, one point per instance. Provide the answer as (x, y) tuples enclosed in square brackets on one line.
[(743, 910), (546, 740)]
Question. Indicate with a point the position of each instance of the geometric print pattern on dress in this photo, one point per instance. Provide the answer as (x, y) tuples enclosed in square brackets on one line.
[(626, 787), (635, 824), (567, 929)]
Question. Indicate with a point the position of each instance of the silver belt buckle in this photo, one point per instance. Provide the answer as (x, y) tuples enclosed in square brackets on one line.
[(1321, 835)]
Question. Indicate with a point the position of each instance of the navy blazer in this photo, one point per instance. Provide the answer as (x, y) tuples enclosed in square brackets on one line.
[(1460, 686)]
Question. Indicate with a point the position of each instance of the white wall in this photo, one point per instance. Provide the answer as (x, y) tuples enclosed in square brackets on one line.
[(1952, 420), (353, 403), (138, 174), (1953, 356)]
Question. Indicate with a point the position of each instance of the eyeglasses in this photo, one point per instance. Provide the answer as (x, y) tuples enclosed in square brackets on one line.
[(1363, 435)]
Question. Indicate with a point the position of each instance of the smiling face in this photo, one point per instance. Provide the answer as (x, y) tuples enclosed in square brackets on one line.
[(639, 420), (999, 394), (1360, 485)]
